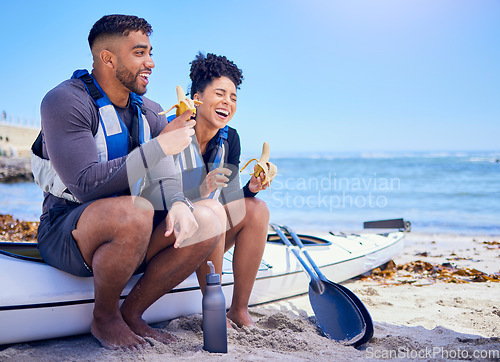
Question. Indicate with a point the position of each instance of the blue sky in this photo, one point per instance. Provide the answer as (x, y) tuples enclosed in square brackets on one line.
[(322, 76)]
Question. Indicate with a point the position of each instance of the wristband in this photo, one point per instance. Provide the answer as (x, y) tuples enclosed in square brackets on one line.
[(184, 200)]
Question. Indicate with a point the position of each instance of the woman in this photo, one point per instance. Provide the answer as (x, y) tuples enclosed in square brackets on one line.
[(210, 170)]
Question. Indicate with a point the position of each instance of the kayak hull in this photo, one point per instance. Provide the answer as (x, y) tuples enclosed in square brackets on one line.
[(40, 302)]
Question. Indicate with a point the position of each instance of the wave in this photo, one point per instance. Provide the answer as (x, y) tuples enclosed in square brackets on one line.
[(472, 156), (485, 159)]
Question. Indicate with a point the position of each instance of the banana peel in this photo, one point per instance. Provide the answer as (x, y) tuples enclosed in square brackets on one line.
[(263, 165), (183, 104)]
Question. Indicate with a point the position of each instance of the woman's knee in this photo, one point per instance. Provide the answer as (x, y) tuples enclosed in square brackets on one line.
[(209, 223), (213, 205), (256, 210)]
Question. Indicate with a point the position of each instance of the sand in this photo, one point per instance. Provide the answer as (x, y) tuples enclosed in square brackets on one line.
[(415, 317)]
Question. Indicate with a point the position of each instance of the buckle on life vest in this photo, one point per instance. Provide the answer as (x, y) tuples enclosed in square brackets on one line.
[(91, 87)]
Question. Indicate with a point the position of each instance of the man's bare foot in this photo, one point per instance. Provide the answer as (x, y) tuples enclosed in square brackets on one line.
[(113, 333), (141, 328), (240, 318)]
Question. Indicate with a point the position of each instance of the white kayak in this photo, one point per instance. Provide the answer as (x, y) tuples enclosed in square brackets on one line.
[(39, 302)]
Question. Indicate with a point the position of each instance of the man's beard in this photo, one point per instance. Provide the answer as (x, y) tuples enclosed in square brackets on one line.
[(129, 80)]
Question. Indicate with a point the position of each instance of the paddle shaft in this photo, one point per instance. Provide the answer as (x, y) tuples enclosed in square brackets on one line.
[(316, 283), (304, 251)]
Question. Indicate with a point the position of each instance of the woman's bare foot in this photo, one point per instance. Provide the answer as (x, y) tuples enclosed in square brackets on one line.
[(240, 318), (141, 328), (114, 333)]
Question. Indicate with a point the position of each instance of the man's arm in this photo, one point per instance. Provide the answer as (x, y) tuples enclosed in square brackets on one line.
[(164, 184), (69, 121)]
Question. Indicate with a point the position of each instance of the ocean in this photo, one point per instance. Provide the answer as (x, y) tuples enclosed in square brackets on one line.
[(446, 192)]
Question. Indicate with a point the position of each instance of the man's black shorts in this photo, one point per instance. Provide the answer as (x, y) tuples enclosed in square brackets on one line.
[(58, 247), (56, 243)]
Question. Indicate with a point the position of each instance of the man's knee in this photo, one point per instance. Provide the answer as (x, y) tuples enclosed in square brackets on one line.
[(132, 215), (142, 204)]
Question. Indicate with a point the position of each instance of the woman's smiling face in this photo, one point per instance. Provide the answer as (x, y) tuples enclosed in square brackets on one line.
[(219, 103)]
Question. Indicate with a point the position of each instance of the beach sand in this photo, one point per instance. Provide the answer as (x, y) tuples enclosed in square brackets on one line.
[(416, 316)]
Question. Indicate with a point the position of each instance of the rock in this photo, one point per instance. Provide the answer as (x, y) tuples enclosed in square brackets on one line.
[(15, 169)]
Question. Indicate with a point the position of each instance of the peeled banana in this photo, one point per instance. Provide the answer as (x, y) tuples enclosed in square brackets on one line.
[(263, 165), (183, 103)]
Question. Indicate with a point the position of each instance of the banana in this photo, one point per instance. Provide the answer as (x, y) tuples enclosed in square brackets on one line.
[(184, 103), (263, 165)]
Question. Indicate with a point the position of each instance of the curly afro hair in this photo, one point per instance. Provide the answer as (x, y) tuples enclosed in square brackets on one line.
[(204, 69)]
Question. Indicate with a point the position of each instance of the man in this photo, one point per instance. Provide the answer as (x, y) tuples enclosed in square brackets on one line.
[(104, 142)]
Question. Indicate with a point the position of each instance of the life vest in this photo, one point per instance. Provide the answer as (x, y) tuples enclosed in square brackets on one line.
[(112, 138), (193, 166)]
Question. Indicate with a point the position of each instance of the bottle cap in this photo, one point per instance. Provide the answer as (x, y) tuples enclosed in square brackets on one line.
[(212, 277)]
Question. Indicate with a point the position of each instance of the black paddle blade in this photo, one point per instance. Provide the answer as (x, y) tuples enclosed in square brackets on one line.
[(337, 315), (364, 312)]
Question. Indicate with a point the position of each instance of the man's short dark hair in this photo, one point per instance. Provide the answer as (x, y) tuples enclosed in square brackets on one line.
[(204, 69), (118, 25)]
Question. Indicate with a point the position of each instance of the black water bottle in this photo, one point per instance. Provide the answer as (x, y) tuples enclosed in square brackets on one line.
[(214, 314)]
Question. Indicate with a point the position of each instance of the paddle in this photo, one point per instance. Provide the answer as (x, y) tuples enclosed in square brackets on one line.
[(337, 315), (366, 315)]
